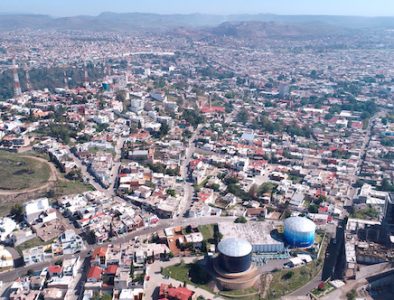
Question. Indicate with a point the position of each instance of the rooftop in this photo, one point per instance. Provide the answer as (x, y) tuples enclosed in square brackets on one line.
[(256, 233)]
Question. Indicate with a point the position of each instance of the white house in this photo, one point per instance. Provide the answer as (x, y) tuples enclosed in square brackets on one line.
[(71, 242), (34, 208), (7, 226)]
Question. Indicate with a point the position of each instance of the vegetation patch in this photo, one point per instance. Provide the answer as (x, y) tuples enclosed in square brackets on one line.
[(207, 231), (323, 289), (193, 274), (68, 187), (245, 294), (19, 172), (286, 281)]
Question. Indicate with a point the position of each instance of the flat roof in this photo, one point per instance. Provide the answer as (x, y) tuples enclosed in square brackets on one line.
[(256, 233)]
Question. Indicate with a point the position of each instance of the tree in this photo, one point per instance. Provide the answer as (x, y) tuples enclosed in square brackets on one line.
[(351, 295), (217, 236), (266, 187), (228, 106), (104, 296), (242, 116), (253, 190), (132, 271), (74, 174), (288, 275), (204, 246), (328, 116), (164, 129), (241, 219), (171, 192), (313, 209), (17, 211), (50, 194), (215, 187), (193, 117), (59, 131), (102, 127), (387, 186), (59, 262), (121, 95), (230, 180)]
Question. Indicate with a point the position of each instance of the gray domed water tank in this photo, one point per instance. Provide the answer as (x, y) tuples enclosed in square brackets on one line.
[(235, 255)]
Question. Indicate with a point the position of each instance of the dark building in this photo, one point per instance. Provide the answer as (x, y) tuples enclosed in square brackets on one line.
[(235, 255), (389, 210)]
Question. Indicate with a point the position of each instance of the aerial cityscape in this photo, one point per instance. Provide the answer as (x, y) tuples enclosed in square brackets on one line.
[(202, 150)]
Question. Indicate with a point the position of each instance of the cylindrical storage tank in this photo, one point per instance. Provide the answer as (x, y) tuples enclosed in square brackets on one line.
[(235, 255), (299, 232)]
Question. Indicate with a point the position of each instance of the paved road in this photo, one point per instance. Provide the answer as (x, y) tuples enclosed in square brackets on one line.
[(366, 141), (306, 289), (86, 174), (370, 271), (12, 275), (117, 162), (188, 187)]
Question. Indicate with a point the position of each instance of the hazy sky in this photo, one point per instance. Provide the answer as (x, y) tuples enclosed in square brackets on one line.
[(94, 7)]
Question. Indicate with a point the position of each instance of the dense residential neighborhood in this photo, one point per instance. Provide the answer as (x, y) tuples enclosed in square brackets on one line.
[(151, 160)]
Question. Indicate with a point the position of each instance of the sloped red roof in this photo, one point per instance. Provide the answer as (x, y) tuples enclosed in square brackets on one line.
[(212, 109), (100, 252), (55, 269), (94, 272), (111, 269), (179, 293)]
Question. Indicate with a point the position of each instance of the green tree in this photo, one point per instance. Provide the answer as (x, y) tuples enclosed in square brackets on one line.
[(351, 295), (288, 275), (74, 174), (121, 95), (241, 219), (242, 116), (313, 209), (18, 211), (171, 192), (193, 117), (215, 187), (164, 129)]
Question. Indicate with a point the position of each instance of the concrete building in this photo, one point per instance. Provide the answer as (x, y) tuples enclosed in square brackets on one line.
[(137, 105), (34, 208), (259, 234)]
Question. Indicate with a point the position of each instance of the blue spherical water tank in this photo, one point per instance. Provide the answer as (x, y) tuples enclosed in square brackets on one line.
[(299, 232)]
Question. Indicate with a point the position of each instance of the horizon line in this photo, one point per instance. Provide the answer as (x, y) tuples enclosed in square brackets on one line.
[(192, 13)]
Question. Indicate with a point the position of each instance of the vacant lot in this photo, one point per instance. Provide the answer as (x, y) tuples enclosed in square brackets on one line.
[(18, 172), (193, 274)]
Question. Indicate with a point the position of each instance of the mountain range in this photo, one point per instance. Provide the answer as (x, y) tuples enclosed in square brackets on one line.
[(134, 22)]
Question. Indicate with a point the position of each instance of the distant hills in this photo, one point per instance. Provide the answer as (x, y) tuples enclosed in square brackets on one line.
[(255, 30), (134, 22)]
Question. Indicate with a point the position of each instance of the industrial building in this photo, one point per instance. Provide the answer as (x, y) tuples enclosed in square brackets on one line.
[(261, 235), (299, 232)]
